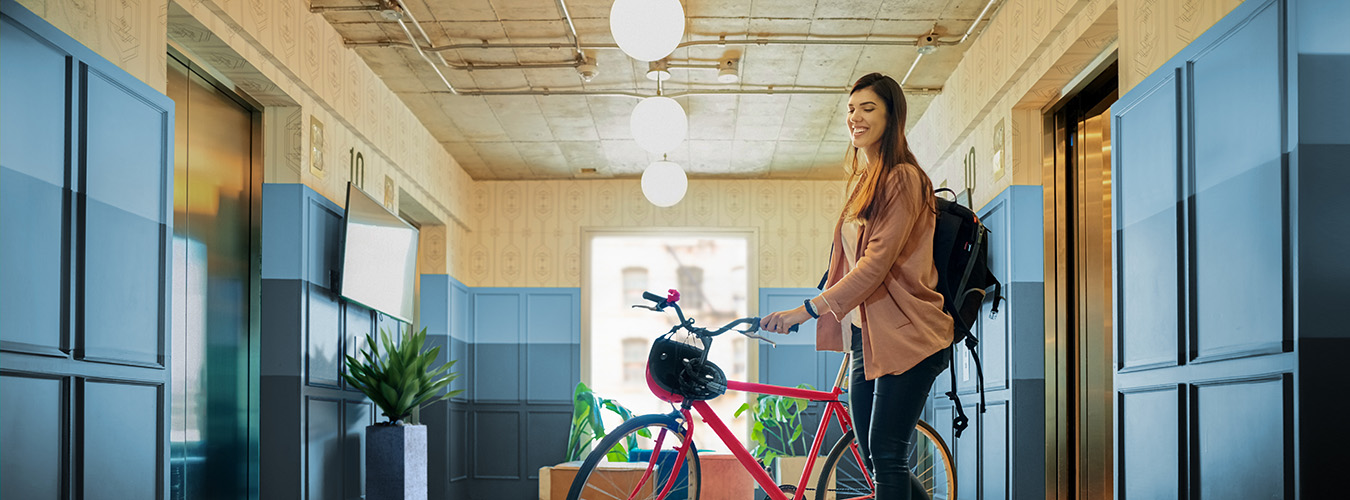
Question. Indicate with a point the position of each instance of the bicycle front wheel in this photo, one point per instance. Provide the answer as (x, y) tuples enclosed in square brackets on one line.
[(628, 463), (843, 476)]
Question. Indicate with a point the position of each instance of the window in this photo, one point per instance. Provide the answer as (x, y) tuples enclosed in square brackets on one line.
[(634, 283), (690, 279), (709, 270), (635, 361)]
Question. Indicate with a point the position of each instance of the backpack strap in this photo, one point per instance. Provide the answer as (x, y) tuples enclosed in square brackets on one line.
[(960, 422)]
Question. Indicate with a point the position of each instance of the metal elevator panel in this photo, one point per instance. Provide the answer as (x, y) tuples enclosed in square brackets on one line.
[(210, 437)]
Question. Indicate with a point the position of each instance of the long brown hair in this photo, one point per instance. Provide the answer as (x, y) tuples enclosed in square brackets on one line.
[(894, 153)]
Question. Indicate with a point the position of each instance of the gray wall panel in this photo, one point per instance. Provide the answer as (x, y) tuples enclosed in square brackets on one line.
[(497, 444), (125, 149), (1239, 439), (1320, 76), (1028, 330), (323, 333), (124, 275), (1027, 437), (966, 452), (36, 433), (459, 441), (1237, 210), (120, 435), (322, 247), (548, 372), (356, 416), (496, 372), (33, 208), (323, 454), (545, 439), (33, 126), (1148, 443), (996, 462)]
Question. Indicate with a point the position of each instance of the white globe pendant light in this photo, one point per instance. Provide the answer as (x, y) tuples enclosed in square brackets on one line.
[(647, 30), (664, 183), (659, 124)]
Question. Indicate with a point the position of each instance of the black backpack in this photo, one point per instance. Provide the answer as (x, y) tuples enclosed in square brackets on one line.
[(960, 253)]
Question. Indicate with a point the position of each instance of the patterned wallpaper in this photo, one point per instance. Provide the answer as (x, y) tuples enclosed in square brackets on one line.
[(1020, 63), (130, 33), (529, 232)]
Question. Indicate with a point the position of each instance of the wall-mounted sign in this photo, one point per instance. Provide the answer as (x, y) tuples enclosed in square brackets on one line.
[(316, 147), (358, 166), (389, 192)]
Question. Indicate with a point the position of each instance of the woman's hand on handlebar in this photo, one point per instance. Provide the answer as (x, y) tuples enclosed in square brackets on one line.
[(782, 321)]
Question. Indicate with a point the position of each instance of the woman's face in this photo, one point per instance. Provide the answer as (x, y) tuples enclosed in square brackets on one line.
[(866, 119)]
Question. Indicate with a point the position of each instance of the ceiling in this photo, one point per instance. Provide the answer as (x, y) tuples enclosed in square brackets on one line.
[(753, 135)]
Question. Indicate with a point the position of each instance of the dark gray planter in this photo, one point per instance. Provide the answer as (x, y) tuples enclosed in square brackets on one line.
[(396, 462)]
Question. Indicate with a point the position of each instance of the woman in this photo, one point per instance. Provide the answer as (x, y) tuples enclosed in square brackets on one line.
[(880, 300)]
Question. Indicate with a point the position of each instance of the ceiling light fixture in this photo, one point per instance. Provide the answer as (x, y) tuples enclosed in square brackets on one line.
[(390, 10), (728, 71), (647, 30), (659, 124), (658, 70), (664, 183), (927, 44)]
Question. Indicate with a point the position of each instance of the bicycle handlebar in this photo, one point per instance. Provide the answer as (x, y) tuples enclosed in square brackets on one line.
[(704, 333)]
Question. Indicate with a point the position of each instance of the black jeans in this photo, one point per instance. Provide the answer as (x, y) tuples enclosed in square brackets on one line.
[(885, 411)]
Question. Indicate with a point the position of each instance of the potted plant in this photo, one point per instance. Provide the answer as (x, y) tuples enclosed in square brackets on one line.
[(779, 436), (588, 426), (400, 380)]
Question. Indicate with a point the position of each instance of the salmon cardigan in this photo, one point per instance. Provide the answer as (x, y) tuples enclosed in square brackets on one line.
[(894, 282)]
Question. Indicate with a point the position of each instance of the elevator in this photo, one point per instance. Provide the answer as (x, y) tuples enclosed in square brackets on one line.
[(217, 180), (1078, 296)]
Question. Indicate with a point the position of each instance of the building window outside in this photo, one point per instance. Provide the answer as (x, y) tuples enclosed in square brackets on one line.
[(709, 272), (634, 283), (635, 360)]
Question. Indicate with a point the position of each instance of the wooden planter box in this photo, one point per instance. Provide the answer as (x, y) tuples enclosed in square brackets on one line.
[(556, 480)]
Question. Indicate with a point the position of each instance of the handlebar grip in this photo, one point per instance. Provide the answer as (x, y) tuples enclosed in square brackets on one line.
[(653, 297), (793, 328)]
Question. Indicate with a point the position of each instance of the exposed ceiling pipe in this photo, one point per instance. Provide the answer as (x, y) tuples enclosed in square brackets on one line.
[(319, 9), (409, 14), (562, 5), (638, 95), (418, 46), (610, 46), (911, 70), (977, 21)]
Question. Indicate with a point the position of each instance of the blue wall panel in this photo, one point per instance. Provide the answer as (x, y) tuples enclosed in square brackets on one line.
[(120, 432), (323, 452), (33, 126), (1150, 470), (1238, 211), (1146, 220), (35, 209), (35, 433)]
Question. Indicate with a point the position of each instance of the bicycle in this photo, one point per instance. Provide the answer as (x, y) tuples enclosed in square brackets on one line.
[(679, 373)]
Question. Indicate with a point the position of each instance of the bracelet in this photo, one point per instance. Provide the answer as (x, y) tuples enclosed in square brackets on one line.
[(810, 309)]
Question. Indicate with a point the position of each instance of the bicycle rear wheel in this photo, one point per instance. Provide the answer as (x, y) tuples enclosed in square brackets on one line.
[(843, 478), (617, 469)]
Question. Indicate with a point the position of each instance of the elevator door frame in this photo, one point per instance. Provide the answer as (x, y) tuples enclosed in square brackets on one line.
[(1079, 395), (256, 171)]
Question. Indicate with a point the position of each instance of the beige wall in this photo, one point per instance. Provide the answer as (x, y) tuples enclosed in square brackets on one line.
[(294, 63), (1019, 65), (532, 234)]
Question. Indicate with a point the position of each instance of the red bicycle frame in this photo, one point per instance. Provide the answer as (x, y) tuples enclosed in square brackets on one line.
[(834, 408)]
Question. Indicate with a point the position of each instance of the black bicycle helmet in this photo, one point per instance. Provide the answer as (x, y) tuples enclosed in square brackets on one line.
[(684, 369)]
